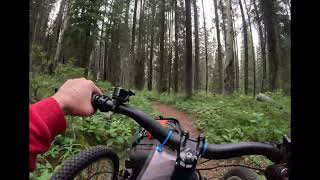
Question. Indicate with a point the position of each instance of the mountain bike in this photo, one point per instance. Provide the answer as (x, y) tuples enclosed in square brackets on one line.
[(161, 150)]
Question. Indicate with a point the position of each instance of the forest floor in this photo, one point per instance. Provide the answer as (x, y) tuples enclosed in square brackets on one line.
[(187, 123)]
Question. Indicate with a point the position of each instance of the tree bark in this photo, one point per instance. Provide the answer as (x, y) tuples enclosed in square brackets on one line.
[(114, 54), (150, 77), (100, 48), (262, 48), (230, 75), (125, 47), (64, 27), (196, 46), (176, 48), (139, 63), (245, 43), (133, 38), (35, 7), (44, 21), (37, 23), (161, 83), (236, 60), (223, 14), (107, 70), (205, 46), (253, 51), (267, 7), (170, 48), (58, 22), (188, 51), (220, 64)]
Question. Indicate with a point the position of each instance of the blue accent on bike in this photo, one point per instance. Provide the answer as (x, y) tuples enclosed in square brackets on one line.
[(205, 146), (160, 146)]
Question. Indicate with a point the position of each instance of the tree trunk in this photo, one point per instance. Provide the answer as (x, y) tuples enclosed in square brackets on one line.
[(268, 18), (262, 48), (188, 51), (133, 38), (170, 47), (126, 18), (37, 23), (139, 63), (254, 70), (114, 54), (176, 50), (253, 51), (58, 22), (125, 47), (44, 21), (63, 28), (182, 46), (236, 60), (220, 66), (205, 46), (106, 71), (196, 46), (35, 8), (245, 43), (91, 64), (150, 77), (100, 48), (230, 75), (223, 14), (161, 83)]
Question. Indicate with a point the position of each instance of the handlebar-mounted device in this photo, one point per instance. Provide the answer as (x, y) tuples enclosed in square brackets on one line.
[(119, 96)]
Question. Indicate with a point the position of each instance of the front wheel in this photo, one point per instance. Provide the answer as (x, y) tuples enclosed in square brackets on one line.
[(240, 173), (95, 163)]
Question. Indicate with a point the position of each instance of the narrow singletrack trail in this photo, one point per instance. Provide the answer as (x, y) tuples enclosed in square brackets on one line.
[(188, 123), (185, 120)]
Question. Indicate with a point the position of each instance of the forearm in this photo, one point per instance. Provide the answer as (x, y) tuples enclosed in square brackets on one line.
[(46, 121)]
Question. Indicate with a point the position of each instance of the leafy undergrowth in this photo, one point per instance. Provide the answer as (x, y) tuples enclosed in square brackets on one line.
[(236, 118), (108, 129)]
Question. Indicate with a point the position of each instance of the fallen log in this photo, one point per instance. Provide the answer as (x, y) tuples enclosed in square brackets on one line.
[(265, 98)]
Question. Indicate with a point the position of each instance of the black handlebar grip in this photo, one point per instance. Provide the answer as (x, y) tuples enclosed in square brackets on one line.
[(101, 102), (94, 101)]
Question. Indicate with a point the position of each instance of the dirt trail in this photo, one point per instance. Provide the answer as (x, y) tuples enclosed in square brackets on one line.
[(187, 123)]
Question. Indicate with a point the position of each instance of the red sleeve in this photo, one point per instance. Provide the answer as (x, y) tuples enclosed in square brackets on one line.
[(46, 120)]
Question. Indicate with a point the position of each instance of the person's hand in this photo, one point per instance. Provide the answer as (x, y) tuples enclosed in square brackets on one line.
[(74, 97)]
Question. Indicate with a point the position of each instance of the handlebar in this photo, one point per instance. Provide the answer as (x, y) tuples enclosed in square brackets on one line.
[(225, 151), (149, 124), (212, 151), (105, 104)]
